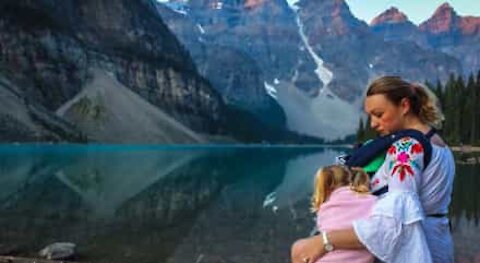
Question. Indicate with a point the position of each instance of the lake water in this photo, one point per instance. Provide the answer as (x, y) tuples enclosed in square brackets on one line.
[(179, 204)]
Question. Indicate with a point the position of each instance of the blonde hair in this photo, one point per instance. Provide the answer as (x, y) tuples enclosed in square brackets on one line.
[(331, 177), (423, 101)]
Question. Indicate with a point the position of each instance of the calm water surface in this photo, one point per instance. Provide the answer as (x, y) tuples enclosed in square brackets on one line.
[(179, 204)]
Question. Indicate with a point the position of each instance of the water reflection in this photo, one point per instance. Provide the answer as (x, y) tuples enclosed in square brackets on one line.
[(134, 200), (297, 184), (177, 204), (465, 211)]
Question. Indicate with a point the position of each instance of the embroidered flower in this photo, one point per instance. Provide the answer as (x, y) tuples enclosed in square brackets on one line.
[(403, 157), (404, 144), (392, 150), (403, 170), (403, 166), (416, 148)]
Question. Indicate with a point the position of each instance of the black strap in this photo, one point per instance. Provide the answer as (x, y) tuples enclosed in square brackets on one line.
[(381, 191), (437, 215), (430, 133)]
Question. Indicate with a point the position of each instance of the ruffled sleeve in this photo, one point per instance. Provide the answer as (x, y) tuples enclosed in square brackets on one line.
[(394, 232)]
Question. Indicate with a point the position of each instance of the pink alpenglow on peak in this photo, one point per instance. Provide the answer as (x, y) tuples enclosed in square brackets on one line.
[(445, 19), (392, 15)]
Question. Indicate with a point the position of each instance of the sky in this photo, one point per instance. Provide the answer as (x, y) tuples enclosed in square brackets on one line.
[(416, 10)]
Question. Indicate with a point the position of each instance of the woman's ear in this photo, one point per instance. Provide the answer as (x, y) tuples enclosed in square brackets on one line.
[(405, 106)]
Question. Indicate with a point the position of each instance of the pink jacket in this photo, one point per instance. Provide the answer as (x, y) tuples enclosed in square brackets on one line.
[(341, 209)]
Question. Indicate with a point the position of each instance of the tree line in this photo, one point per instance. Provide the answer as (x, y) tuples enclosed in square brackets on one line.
[(459, 100)]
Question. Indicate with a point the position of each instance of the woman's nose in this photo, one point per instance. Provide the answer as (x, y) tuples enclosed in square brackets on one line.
[(373, 124)]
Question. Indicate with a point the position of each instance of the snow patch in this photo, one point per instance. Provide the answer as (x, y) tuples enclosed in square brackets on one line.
[(180, 7), (293, 4), (201, 28), (218, 5), (324, 74), (271, 91)]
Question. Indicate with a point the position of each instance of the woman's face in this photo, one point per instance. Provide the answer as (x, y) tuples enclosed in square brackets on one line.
[(385, 117)]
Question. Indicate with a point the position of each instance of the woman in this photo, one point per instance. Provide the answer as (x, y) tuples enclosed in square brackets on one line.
[(415, 207)]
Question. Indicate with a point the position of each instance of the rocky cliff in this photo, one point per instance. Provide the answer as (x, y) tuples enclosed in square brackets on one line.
[(394, 25), (456, 35), (445, 31), (48, 49), (355, 54), (231, 71)]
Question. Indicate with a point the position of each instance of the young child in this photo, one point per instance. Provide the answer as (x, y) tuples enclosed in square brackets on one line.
[(341, 195)]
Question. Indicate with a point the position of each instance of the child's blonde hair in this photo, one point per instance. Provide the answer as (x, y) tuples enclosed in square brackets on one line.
[(331, 177)]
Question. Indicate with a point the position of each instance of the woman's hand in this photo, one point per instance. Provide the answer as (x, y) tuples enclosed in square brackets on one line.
[(307, 250), (310, 249)]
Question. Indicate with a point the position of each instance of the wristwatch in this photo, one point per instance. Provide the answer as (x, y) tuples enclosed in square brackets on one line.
[(326, 243)]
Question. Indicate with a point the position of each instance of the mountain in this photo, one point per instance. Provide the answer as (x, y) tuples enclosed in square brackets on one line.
[(356, 54), (393, 25), (447, 27), (235, 75), (392, 16), (252, 53), (49, 50), (455, 35), (264, 30), (21, 121), (254, 70), (314, 57)]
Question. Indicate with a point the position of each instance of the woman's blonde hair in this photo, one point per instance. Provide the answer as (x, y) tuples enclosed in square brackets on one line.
[(331, 177), (423, 102)]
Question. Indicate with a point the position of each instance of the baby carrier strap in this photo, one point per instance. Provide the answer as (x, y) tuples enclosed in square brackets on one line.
[(374, 152)]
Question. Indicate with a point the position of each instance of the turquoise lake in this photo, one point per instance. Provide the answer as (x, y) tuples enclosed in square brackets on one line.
[(179, 203)]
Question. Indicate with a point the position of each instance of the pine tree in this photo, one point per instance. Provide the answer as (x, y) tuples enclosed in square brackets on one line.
[(360, 131), (459, 111), (470, 110), (448, 109), (369, 132), (476, 112), (439, 93)]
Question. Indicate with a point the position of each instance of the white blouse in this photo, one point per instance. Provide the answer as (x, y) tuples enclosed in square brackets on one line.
[(399, 228)]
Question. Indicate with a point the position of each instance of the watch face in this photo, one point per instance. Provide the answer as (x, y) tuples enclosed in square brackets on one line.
[(328, 247)]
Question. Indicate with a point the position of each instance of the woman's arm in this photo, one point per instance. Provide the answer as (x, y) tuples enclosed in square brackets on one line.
[(312, 248)]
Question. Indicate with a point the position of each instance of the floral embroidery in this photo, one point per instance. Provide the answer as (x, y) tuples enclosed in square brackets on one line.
[(402, 158), (403, 170), (392, 150), (404, 144), (416, 148)]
